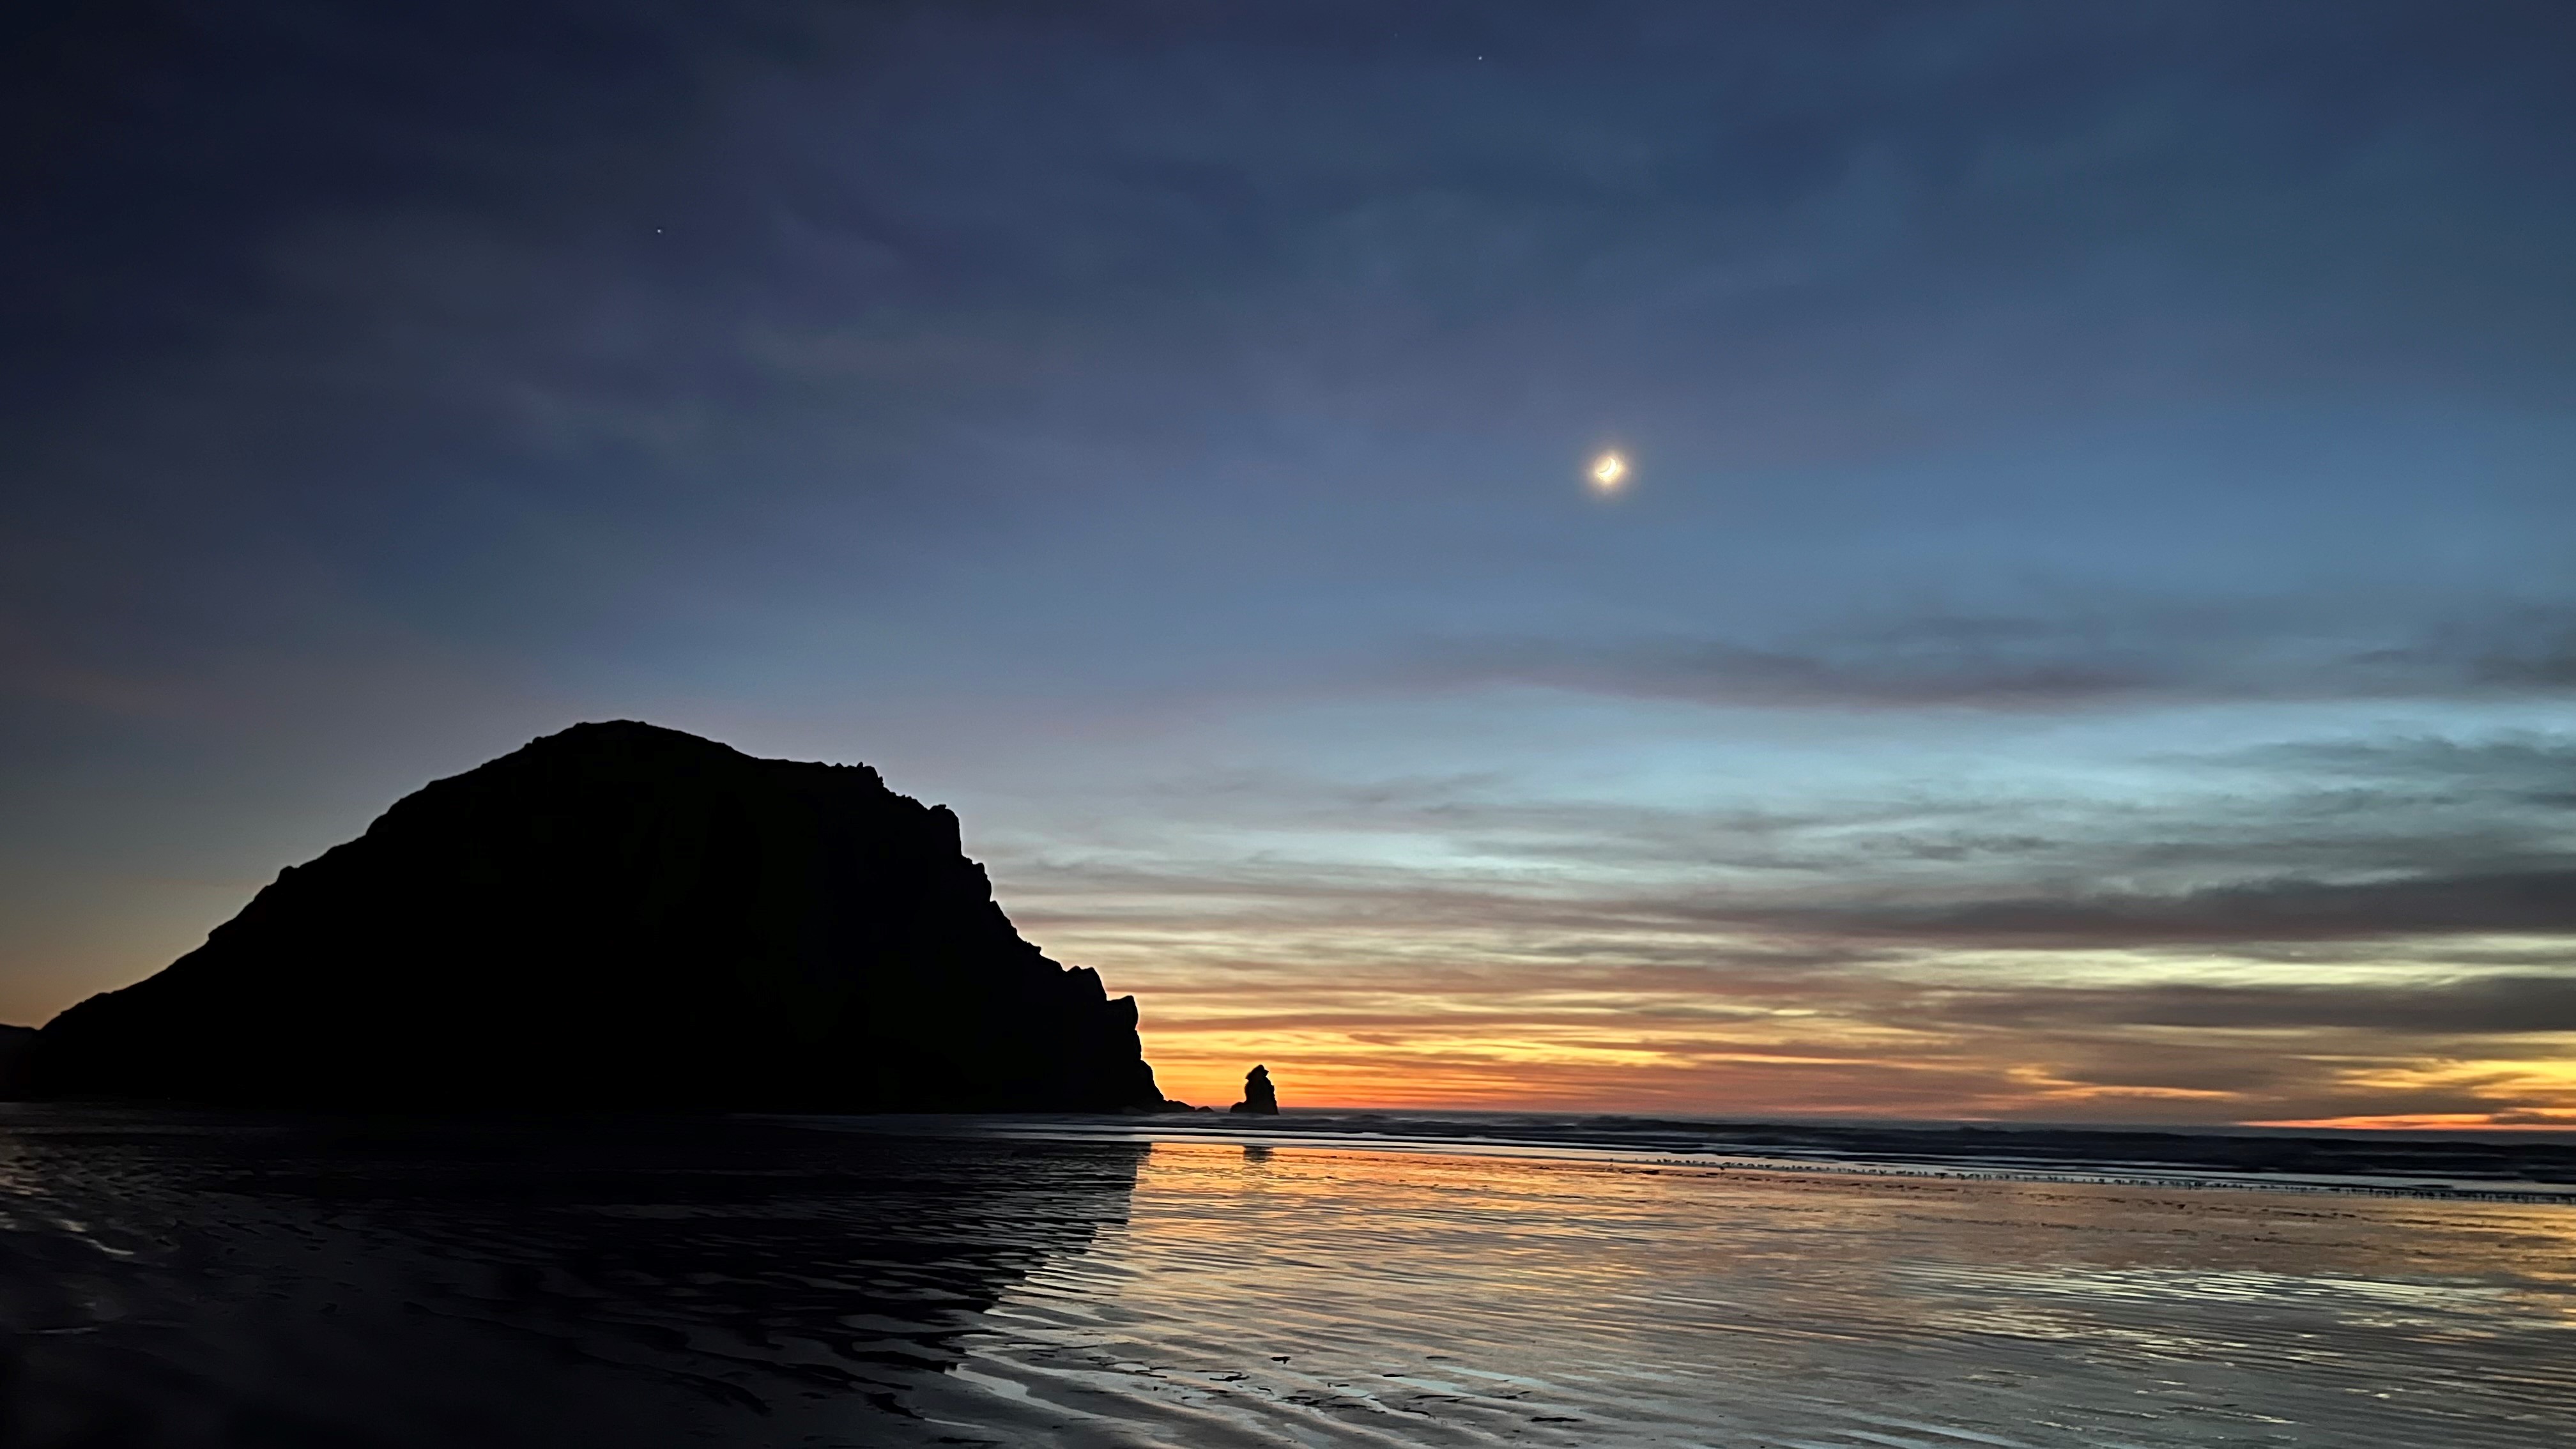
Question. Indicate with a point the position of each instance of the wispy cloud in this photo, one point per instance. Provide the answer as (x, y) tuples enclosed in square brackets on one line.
[(2288, 953), (2432, 905), (2031, 664)]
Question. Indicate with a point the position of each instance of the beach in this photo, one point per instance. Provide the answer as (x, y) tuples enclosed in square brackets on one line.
[(189, 1279)]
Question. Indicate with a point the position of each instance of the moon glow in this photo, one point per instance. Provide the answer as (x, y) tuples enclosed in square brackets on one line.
[(1608, 471)]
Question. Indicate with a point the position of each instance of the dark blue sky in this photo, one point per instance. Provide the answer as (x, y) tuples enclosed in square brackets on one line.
[(2090, 632)]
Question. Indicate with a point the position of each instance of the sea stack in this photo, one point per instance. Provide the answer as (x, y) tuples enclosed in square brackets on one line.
[(620, 916), (1259, 1099)]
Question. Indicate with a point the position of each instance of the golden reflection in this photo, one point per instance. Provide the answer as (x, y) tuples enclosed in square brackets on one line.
[(1592, 1232), (1340, 1293)]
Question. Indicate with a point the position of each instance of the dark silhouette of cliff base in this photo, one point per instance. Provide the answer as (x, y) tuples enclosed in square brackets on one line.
[(620, 915), (14, 1041), (1259, 1098)]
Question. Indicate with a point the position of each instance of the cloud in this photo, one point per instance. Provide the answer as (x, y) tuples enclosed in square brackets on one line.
[(2486, 1005), (2147, 656), (1732, 674), (2362, 846), (2518, 902), (2524, 649), (2363, 927), (1723, 920)]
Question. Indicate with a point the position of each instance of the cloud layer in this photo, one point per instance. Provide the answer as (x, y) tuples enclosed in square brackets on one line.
[(2382, 931)]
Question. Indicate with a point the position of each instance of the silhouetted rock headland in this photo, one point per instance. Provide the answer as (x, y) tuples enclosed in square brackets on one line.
[(1260, 1099), (620, 916), (14, 1041)]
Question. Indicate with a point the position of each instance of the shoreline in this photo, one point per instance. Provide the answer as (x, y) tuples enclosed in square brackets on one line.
[(1715, 1163)]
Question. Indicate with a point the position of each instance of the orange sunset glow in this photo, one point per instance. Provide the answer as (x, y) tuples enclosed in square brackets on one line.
[(1415, 1009)]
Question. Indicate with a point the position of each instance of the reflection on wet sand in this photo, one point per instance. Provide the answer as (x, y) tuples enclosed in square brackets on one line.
[(206, 1280), (1329, 1296)]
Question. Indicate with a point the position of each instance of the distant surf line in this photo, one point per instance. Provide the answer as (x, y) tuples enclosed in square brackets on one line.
[(1375, 1145), (2426, 1193)]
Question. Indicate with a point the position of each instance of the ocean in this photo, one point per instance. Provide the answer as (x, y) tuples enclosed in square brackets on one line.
[(204, 1279)]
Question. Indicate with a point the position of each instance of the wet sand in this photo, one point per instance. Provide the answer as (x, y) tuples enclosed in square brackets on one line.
[(203, 1281), (1456, 1299)]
